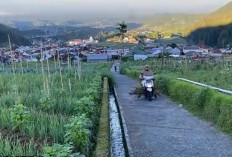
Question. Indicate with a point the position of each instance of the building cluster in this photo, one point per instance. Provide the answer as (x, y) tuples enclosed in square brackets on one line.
[(76, 50), (90, 51), (184, 51)]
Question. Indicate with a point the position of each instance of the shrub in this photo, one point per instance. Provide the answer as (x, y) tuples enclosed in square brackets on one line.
[(109, 75), (19, 115), (200, 97), (78, 132), (46, 103), (225, 116), (58, 150), (85, 105), (205, 102), (84, 59), (212, 107), (161, 83), (123, 69), (181, 92)]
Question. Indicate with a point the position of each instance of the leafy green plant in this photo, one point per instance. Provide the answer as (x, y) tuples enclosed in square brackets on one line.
[(58, 150), (78, 132), (19, 115), (200, 97), (162, 83), (85, 105), (46, 103)]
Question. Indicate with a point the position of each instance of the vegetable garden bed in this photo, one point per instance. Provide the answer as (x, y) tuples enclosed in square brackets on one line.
[(49, 109)]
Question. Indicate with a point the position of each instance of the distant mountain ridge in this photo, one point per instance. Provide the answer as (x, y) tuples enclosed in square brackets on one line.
[(15, 36)]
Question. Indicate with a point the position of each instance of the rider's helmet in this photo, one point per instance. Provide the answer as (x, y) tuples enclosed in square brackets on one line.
[(146, 67)]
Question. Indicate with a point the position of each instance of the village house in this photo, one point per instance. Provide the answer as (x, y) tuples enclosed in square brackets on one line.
[(97, 58), (140, 57), (204, 48), (192, 50), (171, 51), (114, 54), (225, 51), (75, 42), (156, 51)]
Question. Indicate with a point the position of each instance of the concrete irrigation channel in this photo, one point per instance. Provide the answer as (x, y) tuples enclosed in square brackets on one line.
[(117, 146), (111, 140), (120, 145)]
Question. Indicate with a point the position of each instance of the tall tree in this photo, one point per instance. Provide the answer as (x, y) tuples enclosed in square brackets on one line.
[(122, 28)]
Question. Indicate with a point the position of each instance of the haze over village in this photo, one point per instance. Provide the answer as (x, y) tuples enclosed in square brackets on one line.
[(116, 78)]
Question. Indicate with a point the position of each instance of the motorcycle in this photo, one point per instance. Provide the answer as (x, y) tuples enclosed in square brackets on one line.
[(148, 85)]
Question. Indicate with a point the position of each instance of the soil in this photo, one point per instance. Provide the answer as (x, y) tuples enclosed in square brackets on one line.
[(25, 139)]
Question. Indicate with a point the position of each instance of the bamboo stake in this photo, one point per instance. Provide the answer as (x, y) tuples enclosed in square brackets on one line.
[(47, 83), (68, 61), (36, 67), (12, 55), (44, 85), (69, 83), (49, 76), (55, 61), (27, 64), (79, 69), (61, 79), (22, 67)]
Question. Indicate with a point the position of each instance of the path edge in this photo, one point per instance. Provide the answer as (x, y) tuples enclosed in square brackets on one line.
[(126, 139)]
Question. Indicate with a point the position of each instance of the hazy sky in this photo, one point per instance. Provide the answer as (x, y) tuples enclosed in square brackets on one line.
[(73, 9)]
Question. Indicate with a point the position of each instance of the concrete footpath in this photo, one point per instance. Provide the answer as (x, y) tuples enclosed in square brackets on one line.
[(163, 129)]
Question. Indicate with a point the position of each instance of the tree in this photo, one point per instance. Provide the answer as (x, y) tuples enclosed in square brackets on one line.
[(122, 28), (141, 38), (173, 45)]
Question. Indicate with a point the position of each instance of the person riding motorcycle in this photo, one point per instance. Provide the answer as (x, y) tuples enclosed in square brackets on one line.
[(146, 72)]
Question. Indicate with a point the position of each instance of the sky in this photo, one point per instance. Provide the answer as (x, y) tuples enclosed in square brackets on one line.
[(74, 9)]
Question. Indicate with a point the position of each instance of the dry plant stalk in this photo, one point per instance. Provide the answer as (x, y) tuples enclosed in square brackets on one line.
[(61, 78)]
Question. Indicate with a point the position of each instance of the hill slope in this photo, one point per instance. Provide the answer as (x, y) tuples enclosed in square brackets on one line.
[(15, 35), (215, 29), (217, 37), (222, 16), (171, 23)]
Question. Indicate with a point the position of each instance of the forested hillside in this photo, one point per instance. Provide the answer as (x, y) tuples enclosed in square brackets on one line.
[(15, 35), (223, 16), (219, 36), (215, 29)]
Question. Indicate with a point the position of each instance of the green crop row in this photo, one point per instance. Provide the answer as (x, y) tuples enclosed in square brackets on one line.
[(49, 112), (213, 72)]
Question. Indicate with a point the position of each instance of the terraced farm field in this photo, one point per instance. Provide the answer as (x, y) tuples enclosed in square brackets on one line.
[(50, 109)]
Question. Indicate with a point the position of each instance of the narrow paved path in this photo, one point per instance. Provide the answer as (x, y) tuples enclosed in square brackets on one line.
[(163, 129)]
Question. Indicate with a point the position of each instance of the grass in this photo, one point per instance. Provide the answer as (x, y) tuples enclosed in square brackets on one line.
[(103, 139), (211, 72)]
